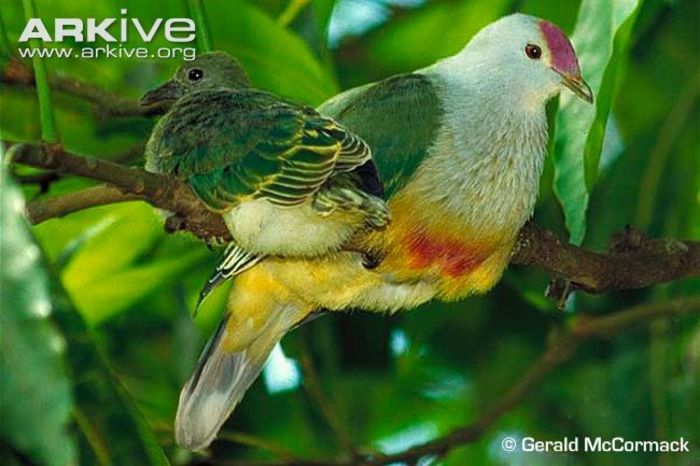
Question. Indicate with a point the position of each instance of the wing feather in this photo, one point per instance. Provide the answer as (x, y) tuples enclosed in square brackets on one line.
[(232, 146), (398, 118)]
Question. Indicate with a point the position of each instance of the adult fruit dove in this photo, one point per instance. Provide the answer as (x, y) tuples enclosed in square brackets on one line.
[(460, 147)]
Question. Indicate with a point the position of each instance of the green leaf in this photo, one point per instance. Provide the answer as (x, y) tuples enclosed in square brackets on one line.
[(601, 39), (111, 264), (111, 294), (125, 232), (35, 393), (276, 59), (435, 31), (36, 397)]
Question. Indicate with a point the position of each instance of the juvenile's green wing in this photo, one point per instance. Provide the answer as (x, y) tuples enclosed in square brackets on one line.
[(233, 146), (398, 118)]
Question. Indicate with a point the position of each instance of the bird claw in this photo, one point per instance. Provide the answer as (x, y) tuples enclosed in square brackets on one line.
[(215, 242), (559, 290)]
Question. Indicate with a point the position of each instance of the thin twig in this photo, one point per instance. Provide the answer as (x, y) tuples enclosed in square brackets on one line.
[(243, 438), (44, 209)]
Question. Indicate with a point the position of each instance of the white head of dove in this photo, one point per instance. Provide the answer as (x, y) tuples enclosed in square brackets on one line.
[(208, 71), (525, 58)]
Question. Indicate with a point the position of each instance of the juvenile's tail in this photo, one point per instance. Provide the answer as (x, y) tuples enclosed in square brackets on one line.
[(230, 363)]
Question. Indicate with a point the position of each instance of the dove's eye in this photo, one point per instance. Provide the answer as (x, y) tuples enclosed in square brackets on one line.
[(195, 74), (533, 51)]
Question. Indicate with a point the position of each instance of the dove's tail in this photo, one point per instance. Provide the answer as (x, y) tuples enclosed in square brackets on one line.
[(259, 315)]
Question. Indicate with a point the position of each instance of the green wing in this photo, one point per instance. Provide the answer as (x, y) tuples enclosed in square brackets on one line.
[(398, 118), (232, 146)]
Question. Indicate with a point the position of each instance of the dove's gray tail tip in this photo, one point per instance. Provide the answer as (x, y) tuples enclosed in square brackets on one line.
[(223, 376), (215, 388)]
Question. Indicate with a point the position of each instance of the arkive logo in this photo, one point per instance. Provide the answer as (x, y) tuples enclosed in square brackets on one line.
[(109, 29)]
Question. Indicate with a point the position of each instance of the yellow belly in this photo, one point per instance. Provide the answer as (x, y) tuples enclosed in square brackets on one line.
[(424, 257)]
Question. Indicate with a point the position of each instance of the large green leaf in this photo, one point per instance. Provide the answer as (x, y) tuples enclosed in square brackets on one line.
[(35, 393), (276, 59), (112, 256), (103, 298), (601, 39), (434, 32), (128, 231), (40, 331)]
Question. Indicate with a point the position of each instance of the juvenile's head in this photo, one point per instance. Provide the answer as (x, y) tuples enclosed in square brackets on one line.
[(208, 71), (528, 57)]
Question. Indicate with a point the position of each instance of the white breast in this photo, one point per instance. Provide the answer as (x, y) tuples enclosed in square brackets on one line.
[(485, 163), (265, 228)]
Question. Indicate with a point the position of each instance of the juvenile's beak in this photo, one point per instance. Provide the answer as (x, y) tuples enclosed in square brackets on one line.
[(171, 90), (578, 86)]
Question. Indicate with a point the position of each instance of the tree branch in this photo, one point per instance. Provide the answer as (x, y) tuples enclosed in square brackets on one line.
[(45, 209), (45, 179), (634, 261), (106, 104), (158, 190)]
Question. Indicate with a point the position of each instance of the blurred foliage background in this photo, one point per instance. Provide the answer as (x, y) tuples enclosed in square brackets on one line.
[(97, 336)]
